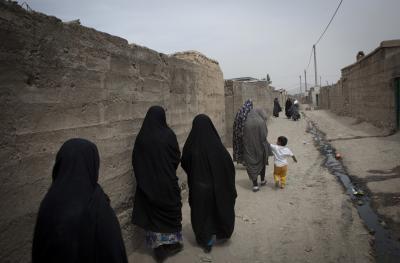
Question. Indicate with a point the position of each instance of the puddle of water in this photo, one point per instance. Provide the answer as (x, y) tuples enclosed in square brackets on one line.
[(386, 249)]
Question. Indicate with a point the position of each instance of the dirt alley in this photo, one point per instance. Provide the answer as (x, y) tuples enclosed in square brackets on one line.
[(311, 220)]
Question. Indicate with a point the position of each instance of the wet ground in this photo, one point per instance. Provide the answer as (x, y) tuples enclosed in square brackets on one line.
[(312, 220), (372, 161), (386, 247)]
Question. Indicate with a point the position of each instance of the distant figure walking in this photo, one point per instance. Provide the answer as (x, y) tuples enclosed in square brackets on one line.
[(288, 105), (211, 179), (157, 204), (294, 110), (238, 126), (75, 222), (277, 108), (256, 147)]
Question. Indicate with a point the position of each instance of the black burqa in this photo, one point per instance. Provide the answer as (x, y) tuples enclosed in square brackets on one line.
[(277, 108), (157, 205), (76, 222), (211, 180), (288, 107)]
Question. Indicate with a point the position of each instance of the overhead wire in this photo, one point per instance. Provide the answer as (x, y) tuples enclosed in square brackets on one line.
[(323, 33), (326, 28)]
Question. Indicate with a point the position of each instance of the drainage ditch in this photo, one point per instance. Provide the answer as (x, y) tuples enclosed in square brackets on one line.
[(386, 249)]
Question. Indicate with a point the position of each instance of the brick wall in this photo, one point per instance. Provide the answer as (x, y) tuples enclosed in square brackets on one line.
[(335, 98), (237, 92), (325, 97), (59, 81), (366, 88)]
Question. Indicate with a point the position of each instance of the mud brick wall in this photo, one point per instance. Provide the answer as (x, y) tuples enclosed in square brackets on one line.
[(371, 85), (60, 81), (237, 92), (335, 98), (366, 88), (324, 97)]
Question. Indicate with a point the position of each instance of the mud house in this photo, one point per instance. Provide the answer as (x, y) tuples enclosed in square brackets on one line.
[(369, 89), (63, 80), (313, 96), (238, 90)]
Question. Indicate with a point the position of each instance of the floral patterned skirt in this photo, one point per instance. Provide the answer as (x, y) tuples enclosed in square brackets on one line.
[(154, 239)]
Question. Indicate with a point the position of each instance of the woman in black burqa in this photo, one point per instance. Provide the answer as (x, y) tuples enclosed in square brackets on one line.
[(157, 204), (76, 222), (277, 108), (211, 180), (288, 107)]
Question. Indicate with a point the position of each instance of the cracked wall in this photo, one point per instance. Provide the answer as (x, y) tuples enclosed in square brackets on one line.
[(366, 89), (237, 92), (59, 81)]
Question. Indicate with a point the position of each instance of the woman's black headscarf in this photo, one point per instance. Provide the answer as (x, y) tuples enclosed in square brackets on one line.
[(211, 180), (155, 158), (75, 221)]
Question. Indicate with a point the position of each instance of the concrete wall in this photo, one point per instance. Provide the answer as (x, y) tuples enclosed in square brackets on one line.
[(325, 97), (237, 92), (366, 88), (59, 81), (335, 97)]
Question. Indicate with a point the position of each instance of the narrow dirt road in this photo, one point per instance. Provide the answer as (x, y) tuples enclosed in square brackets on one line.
[(311, 220)]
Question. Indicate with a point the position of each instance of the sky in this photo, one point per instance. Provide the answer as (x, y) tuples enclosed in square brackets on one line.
[(247, 38)]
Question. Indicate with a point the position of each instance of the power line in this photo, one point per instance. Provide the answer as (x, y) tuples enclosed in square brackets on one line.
[(326, 28), (323, 33)]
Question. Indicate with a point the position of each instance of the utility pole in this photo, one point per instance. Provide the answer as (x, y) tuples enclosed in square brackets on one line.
[(305, 80), (315, 66), (300, 84), (320, 81)]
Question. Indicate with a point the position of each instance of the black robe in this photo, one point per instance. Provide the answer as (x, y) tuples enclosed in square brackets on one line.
[(277, 108), (211, 180), (76, 222), (288, 106), (155, 158)]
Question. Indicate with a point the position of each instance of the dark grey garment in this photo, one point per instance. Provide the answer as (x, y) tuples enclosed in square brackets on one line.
[(263, 114), (256, 148)]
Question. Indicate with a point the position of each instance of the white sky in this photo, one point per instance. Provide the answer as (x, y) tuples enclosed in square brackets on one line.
[(248, 38)]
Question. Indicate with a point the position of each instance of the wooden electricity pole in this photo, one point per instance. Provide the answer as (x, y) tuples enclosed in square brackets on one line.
[(305, 80), (315, 66), (300, 84)]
